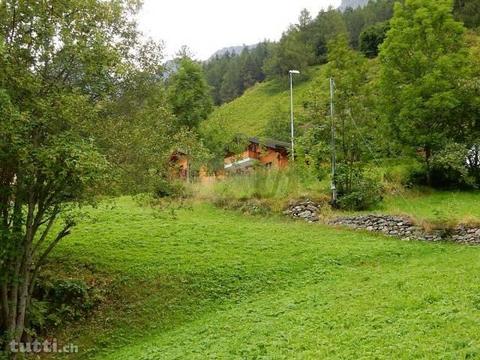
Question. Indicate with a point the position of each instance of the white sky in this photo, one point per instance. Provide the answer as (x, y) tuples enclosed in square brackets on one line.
[(206, 26)]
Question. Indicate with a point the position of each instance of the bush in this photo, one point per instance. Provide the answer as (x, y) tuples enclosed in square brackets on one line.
[(448, 169), (170, 189), (356, 191), (62, 301)]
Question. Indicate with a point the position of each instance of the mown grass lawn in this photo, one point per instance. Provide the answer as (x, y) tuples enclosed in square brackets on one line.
[(215, 284), (440, 206)]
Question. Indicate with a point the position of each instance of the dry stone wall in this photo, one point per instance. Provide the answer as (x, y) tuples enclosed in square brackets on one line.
[(396, 226), (404, 228)]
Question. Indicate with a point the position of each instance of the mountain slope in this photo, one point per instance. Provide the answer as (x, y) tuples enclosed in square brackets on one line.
[(233, 50), (352, 4), (250, 113)]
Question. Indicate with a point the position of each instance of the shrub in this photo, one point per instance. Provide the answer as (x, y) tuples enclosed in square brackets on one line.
[(171, 189), (448, 169), (62, 301), (356, 191)]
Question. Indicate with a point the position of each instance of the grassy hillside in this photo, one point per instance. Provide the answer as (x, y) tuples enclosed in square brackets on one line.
[(250, 113), (214, 284)]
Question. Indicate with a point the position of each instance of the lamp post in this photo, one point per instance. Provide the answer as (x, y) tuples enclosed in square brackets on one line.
[(291, 73)]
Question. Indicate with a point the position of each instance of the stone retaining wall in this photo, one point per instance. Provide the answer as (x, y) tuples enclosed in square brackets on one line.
[(397, 226), (305, 209), (404, 228)]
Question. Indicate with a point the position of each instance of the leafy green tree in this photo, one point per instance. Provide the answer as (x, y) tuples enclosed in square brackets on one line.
[(326, 26), (348, 68), (425, 69), (292, 52), (355, 23), (60, 64), (468, 11), (215, 70), (189, 94), (232, 82), (371, 39)]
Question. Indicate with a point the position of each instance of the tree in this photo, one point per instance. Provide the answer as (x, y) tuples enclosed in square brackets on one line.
[(348, 68), (371, 39), (231, 74), (232, 81), (292, 52), (355, 22), (189, 94), (425, 66), (61, 62), (326, 26), (468, 11)]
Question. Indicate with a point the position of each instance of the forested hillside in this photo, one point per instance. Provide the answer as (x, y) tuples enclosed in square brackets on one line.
[(305, 43), (411, 87), (265, 104)]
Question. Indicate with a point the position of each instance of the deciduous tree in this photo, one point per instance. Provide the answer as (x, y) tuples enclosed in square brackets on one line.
[(189, 94), (425, 67), (60, 62)]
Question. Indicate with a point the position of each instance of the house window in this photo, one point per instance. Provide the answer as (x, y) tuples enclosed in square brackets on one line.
[(268, 165)]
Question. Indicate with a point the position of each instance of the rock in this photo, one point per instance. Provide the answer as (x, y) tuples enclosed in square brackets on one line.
[(305, 214), (400, 227)]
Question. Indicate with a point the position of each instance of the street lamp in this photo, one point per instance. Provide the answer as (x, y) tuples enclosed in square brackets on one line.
[(291, 73)]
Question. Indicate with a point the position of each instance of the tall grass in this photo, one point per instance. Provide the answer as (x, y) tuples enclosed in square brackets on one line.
[(275, 185)]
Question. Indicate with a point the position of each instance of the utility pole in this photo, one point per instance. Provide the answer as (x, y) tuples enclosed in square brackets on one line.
[(333, 145), (292, 129)]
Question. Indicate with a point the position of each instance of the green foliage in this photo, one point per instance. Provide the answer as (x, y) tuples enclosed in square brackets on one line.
[(230, 75), (448, 169), (170, 189), (307, 42), (468, 11), (313, 152), (372, 37), (353, 119), (292, 52), (425, 64), (63, 65), (260, 105), (60, 302), (357, 190), (189, 94), (327, 26)]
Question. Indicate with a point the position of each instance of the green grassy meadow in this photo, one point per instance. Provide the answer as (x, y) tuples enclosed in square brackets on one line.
[(218, 284), (435, 206)]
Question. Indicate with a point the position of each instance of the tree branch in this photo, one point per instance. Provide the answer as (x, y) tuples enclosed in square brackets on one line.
[(65, 232)]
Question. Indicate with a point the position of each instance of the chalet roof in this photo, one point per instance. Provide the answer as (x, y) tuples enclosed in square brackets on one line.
[(270, 143)]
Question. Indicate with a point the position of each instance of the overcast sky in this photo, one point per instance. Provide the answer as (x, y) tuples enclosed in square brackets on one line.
[(206, 26)]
